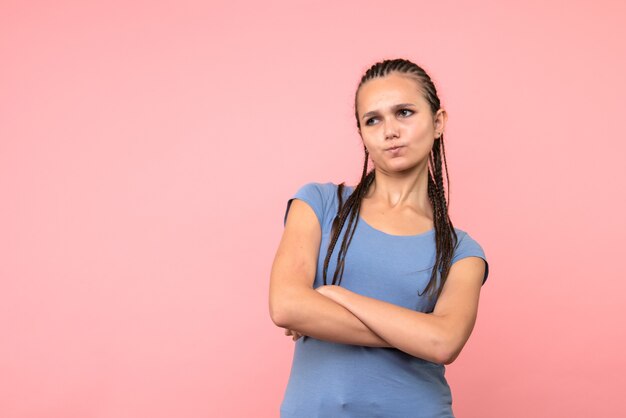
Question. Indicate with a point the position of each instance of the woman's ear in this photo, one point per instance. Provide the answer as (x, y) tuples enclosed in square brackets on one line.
[(441, 117)]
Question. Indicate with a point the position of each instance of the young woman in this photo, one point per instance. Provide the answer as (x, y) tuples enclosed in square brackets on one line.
[(405, 286)]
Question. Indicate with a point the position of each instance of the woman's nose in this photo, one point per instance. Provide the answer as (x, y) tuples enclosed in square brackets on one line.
[(391, 130)]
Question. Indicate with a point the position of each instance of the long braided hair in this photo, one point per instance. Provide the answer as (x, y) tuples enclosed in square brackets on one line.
[(445, 235)]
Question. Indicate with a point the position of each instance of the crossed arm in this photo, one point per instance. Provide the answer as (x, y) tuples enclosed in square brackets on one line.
[(334, 313)]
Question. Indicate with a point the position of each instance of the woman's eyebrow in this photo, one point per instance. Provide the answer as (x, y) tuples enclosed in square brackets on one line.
[(394, 107)]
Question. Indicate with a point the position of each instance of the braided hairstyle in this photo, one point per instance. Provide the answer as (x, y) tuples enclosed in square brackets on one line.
[(446, 237)]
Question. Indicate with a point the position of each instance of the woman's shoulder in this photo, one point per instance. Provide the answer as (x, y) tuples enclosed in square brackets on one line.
[(464, 238), (322, 196), (327, 188), (462, 235)]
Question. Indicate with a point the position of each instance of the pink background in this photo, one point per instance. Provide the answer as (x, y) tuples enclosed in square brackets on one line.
[(148, 149)]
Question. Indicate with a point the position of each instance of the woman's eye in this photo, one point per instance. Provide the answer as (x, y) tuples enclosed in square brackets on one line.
[(401, 111)]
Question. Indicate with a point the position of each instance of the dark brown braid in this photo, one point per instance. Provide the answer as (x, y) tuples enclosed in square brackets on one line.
[(445, 235)]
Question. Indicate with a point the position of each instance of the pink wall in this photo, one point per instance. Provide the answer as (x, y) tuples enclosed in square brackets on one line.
[(147, 152)]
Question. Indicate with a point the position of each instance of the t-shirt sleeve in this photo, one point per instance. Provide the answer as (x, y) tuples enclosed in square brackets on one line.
[(314, 195), (468, 247)]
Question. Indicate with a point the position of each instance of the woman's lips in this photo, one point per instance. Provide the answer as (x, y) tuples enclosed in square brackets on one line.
[(394, 150)]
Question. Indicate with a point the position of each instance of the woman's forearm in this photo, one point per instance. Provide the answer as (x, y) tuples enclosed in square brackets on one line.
[(315, 315), (416, 333)]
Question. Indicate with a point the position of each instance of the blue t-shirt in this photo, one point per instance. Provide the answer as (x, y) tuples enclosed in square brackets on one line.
[(329, 379)]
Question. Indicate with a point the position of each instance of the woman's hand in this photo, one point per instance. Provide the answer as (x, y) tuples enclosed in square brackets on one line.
[(295, 334)]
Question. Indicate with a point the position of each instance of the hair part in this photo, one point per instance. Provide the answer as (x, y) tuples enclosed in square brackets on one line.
[(445, 235)]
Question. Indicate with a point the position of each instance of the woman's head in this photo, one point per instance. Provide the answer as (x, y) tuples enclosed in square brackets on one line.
[(396, 105)]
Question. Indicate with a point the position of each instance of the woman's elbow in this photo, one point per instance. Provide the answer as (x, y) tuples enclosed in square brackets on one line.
[(441, 355), (279, 316), (277, 311), (448, 358), (449, 351), (280, 309)]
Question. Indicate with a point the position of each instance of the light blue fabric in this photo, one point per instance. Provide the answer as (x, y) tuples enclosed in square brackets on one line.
[(332, 380)]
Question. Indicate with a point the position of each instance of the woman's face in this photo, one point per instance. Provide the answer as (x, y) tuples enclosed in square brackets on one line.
[(397, 125)]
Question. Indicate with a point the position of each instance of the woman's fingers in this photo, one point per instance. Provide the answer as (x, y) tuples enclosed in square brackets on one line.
[(295, 335)]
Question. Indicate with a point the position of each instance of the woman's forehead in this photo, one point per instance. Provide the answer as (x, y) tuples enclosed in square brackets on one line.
[(389, 90)]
